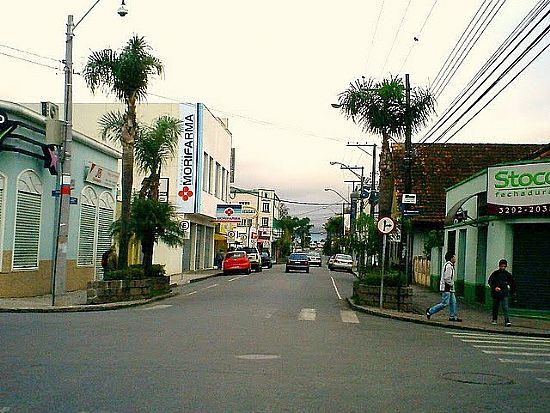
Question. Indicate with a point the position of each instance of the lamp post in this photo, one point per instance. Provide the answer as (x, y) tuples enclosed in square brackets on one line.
[(352, 169), (343, 209), (59, 276)]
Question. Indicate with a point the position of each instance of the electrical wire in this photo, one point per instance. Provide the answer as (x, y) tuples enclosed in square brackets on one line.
[(520, 28), (395, 38), (535, 42), (455, 109), (465, 52), (418, 36), (30, 53), (374, 35), (29, 61)]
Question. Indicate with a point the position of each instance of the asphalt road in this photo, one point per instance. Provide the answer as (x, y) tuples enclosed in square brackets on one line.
[(267, 342)]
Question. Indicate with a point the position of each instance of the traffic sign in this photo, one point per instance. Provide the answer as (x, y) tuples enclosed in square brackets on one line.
[(408, 198), (385, 225), (410, 212), (185, 225)]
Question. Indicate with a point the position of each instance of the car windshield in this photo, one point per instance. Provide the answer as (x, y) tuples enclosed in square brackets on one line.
[(343, 257), (235, 254), (250, 250), (295, 256), (313, 254)]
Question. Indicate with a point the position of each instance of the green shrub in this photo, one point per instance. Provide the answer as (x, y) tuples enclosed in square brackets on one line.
[(390, 280), (134, 272)]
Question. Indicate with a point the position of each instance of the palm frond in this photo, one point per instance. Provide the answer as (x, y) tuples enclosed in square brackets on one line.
[(111, 125)]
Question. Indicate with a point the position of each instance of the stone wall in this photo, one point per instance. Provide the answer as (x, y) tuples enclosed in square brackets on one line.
[(100, 292), (369, 295)]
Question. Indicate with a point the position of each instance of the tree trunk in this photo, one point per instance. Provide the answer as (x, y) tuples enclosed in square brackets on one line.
[(147, 245), (386, 178), (128, 139)]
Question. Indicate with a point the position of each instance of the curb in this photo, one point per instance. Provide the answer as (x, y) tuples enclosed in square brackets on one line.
[(89, 307), (194, 280), (379, 313)]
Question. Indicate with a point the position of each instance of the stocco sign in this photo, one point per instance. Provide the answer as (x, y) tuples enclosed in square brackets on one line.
[(522, 189)]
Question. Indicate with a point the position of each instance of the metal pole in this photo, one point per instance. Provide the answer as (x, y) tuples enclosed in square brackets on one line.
[(60, 269), (382, 271), (408, 166), (373, 183)]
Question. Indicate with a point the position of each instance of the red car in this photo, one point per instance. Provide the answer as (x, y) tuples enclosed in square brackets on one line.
[(236, 261)]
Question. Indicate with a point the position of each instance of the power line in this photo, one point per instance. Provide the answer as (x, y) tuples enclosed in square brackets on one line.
[(29, 61), (374, 35), (465, 52), (396, 34), (535, 42), (418, 36), (31, 53), (507, 43)]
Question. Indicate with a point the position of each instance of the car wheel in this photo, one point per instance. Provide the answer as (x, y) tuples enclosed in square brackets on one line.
[(287, 270), (260, 268), (307, 270), (225, 272)]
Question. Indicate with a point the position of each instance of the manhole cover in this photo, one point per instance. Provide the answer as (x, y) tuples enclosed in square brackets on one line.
[(478, 378), (258, 357)]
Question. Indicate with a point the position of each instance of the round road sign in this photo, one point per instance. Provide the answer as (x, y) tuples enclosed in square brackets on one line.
[(385, 225), (185, 225)]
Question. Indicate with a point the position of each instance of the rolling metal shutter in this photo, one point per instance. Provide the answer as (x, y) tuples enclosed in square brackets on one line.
[(27, 231), (1, 218), (530, 267), (105, 219), (86, 236)]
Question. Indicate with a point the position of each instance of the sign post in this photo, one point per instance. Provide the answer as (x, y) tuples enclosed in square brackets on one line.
[(385, 226)]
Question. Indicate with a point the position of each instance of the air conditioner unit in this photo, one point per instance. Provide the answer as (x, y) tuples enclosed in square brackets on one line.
[(50, 110)]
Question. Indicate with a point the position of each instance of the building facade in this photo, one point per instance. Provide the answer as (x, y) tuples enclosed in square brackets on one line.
[(29, 207), (502, 212), (260, 210), (195, 181)]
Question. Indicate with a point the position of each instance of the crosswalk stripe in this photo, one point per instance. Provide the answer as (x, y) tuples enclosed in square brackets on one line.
[(543, 380), (480, 336), (521, 361), (515, 353), (534, 370), (349, 316), (508, 340), (307, 314), (513, 348)]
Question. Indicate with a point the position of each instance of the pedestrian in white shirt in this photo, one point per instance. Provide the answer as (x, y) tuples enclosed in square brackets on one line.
[(447, 288)]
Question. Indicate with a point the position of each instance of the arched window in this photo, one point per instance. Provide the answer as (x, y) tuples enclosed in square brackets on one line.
[(106, 216), (87, 228), (2, 203), (26, 240)]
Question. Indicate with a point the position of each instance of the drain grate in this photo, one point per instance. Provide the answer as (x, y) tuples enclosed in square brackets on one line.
[(478, 378)]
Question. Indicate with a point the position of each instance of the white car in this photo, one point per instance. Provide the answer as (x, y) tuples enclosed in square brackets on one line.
[(314, 258), (342, 262)]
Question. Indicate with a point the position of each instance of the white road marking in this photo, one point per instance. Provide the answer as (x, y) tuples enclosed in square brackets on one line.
[(193, 292), (258, 357), (307, 314), (521, 361), (543, 380), (526, 342), (534, 370), (158, 307), (485, 336), (514, 353), (336, 289), (210, 286), (512, 348), (349, 316)]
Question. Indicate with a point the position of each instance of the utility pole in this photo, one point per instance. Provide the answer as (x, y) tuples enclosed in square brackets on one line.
[(408, 174), (373, 172)]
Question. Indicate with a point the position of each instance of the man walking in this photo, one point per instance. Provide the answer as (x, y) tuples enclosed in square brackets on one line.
[(502, 284), (447, 288)]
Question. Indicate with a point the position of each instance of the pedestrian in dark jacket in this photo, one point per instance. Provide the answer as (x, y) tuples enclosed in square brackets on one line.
[(502, 285)]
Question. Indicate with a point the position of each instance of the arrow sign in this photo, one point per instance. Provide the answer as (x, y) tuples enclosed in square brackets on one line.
[(385, 225)]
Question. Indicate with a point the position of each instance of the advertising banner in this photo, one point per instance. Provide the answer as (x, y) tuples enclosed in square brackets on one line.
[(101, 176), (228, 213), (186, 187), (522, 189)]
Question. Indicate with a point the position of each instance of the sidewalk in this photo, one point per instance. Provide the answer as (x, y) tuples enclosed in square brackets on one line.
[(474, 316), (75, 301)]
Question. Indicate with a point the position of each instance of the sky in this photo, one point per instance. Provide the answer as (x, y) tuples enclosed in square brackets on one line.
[(274, 68)]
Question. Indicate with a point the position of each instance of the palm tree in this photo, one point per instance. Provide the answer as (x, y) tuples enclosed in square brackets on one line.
[(126, 74), (380, 108), (156, 145)]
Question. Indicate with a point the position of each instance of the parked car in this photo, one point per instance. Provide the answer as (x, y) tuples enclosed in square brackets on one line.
[(266, 260), (314, 258), (236, 261), (342, 262), (330, 261), (297, 261), (254, 257)]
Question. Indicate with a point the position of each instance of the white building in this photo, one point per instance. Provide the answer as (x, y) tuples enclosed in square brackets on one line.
[(257, 227), (194, 181)]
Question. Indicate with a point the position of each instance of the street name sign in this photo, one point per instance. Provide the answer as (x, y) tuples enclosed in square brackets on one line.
[(408, 199)]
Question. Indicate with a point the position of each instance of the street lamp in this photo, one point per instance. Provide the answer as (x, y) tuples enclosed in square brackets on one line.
[(343, 209), (361, 177), (59, 275)]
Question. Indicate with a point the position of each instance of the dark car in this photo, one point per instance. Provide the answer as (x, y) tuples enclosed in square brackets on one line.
[(266, 260), (297, 261)]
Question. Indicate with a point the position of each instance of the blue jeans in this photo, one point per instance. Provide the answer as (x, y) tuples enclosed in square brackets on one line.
[(496, 302), (447, 299)]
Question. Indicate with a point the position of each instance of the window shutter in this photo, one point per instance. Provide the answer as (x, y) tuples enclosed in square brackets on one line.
[(27, 231), (86, 235), (105, 219)]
